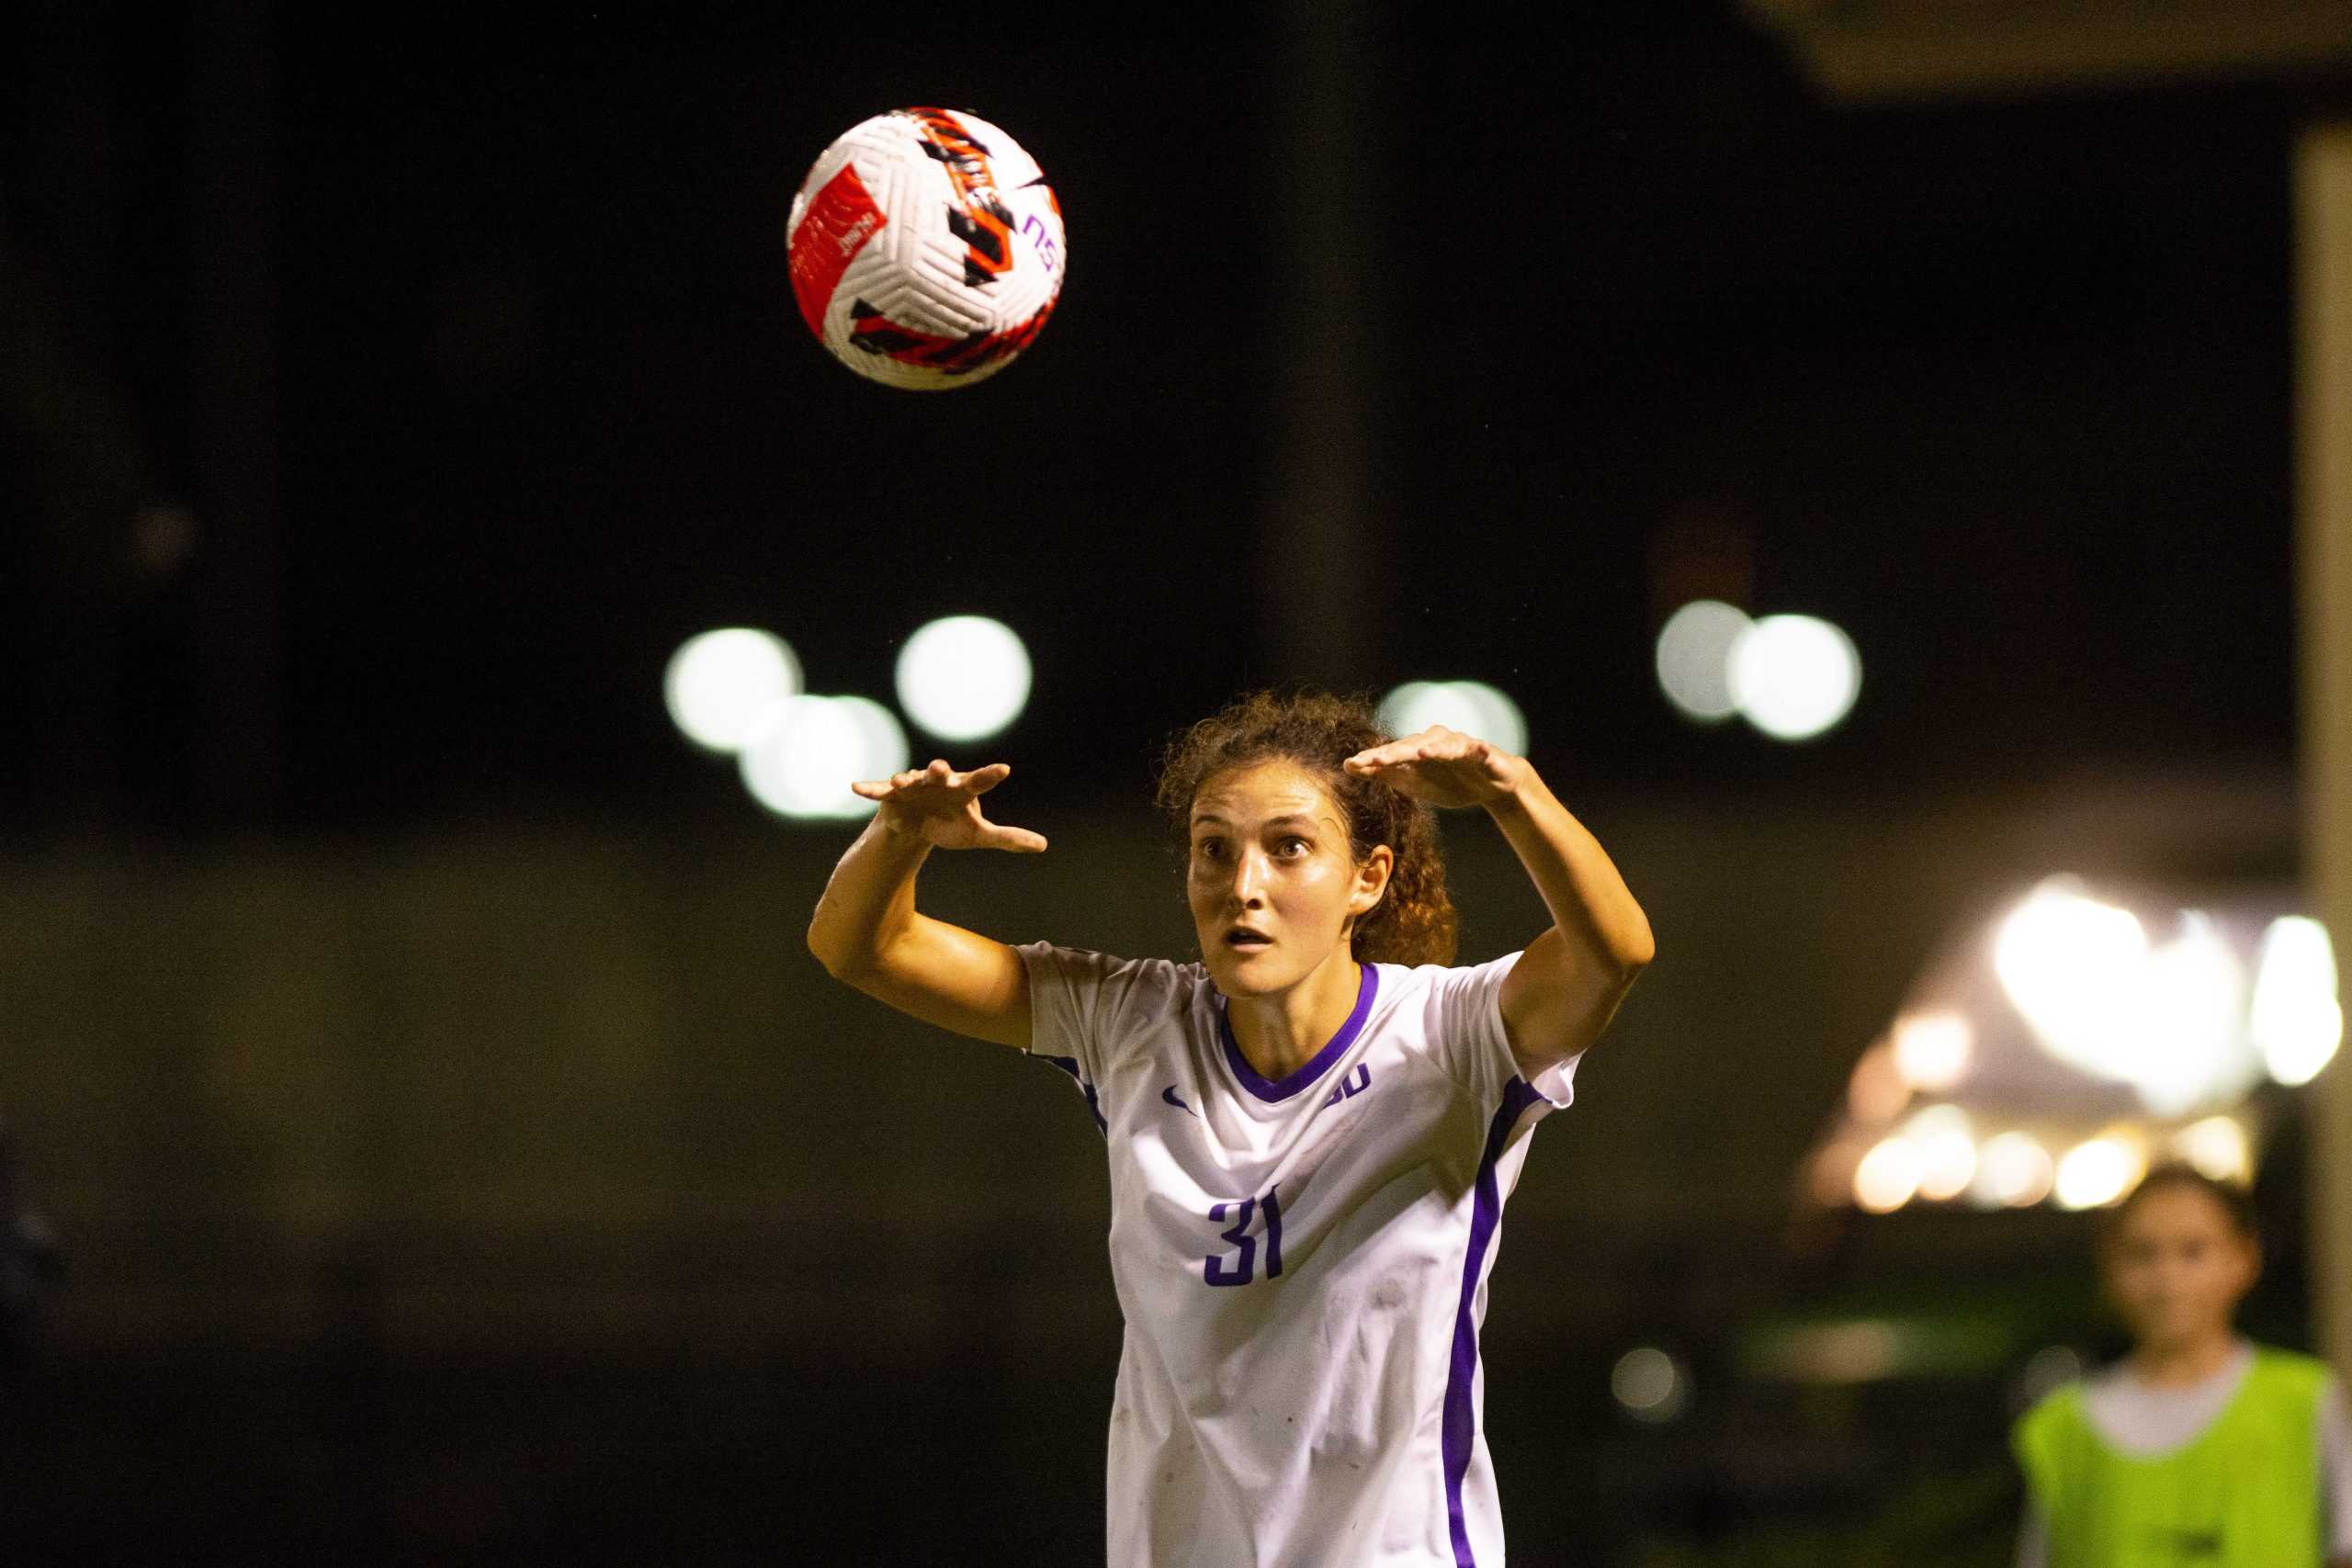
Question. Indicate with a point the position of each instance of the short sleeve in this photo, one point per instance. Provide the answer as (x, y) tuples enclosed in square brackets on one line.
[(1085, 1007), (1464, 1025)]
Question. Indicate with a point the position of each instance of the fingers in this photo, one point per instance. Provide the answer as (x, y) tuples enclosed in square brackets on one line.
[(1020, 840), (1435, 744)]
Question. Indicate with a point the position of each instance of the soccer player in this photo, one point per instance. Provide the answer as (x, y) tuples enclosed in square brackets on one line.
[(1311, 1130), (2199, 1446)]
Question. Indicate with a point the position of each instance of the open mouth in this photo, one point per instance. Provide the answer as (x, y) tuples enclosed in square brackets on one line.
[(1241, 939)]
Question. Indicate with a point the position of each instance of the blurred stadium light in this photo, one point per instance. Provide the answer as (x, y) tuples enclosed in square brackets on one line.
[(1471, 707), (720, 684), (808, 750), (964, 678), (1694, 657), (1795, 677)]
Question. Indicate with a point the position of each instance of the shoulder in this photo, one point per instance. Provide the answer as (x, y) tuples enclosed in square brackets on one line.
[(2306, 1375), (1106, 979)]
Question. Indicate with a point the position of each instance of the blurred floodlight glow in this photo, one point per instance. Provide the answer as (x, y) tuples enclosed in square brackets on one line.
[(1794, 676), (2166, 1020), (2217, 1145), (964, 678), (1932, 1049), (2013, 1170), (2297, 1022), (2065, 959), (1471, 707), (719, 685), (809, 750), (1946, 1145), (2192, 1047), (1888, 1176), (1694, 657), (2097, 1172)]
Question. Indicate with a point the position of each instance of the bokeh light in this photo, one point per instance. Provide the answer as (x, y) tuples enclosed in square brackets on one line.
[(2296, 1020), (1878, 1091), (719, 685), (964, 678), (2166, 1020), (1932, 1050), (2098, 1171), (1694, 657), (2217, 1147), (1795, 677), (1473, 707), (1888, 1176), (1649, 1384), (1946, 1146), (2013, 1171), (809, 750)]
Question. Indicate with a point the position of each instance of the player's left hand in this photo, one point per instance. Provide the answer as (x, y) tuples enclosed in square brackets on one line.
[(1442, 767)]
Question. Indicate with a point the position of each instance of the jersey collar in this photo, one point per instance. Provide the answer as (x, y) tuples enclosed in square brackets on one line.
[(1367, 987)]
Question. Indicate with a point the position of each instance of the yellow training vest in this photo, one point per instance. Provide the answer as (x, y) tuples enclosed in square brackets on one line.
[(2245, 1492)]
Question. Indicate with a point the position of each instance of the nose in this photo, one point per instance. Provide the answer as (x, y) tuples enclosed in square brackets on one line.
[(1249, 879)]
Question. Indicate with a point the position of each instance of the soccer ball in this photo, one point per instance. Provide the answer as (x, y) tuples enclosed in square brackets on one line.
[(926, 249)]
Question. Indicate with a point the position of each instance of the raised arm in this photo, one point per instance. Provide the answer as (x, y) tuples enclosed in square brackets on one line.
[(868, 933), (1566, 985)]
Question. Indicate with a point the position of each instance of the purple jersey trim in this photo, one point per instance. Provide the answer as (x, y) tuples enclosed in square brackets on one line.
[(1461, 1422), (1367, 987)]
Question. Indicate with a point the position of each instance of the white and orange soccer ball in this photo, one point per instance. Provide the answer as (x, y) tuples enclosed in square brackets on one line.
[(926, 249)]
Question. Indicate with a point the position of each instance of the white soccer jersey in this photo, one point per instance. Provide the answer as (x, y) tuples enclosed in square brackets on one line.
[(1302, 1265)]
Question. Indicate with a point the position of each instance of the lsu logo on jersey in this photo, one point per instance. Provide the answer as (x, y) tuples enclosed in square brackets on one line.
[(1355, 1084)]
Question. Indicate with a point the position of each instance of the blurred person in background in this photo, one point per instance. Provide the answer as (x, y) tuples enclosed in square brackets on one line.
[(1311, 1131), (2199, 1446)]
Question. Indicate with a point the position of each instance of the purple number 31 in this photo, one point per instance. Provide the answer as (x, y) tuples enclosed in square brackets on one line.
[(1217, 1270)]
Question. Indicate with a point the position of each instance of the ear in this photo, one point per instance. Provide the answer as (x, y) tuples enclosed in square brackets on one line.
[(1372, 881)]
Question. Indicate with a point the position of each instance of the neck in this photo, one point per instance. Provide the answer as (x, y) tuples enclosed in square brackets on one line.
[(2187, 1361), (1280, 1031)]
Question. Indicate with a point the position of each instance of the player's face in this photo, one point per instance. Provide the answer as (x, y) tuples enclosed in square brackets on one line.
[(2176, 1267), (1272, 880)]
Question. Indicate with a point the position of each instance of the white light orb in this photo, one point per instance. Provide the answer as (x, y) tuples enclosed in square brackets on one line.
[(1650, 1384), (1694, 657), (1932, 1049), (2013, 1171), (1946, 1143), (1794, 676), (2097, 1172), (2295, 1018), (1471, 707), (719, 685), (2216, 1146), (1888, 1176), (964, 678), (2073, 965), (809, 750)]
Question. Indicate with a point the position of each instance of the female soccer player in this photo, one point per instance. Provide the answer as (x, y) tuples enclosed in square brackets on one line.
[(1311, 1130), (2199, 1446)]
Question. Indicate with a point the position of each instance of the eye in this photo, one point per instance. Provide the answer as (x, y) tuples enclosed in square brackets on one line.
[(1208, 849), (1293, 845)]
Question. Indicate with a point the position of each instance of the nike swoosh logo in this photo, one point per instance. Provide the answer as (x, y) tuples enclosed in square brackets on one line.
[(1170, 1096)]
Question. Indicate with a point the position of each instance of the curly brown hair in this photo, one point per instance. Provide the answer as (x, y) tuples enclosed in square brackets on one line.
[(1414, 921)]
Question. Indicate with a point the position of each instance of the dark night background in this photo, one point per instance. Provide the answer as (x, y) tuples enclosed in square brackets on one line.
[(387, 393)]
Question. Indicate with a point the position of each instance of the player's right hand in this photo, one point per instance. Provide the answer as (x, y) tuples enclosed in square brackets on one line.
[(942, 806)]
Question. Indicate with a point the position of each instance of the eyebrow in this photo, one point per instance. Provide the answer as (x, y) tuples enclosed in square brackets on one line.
[(1287, 819)]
